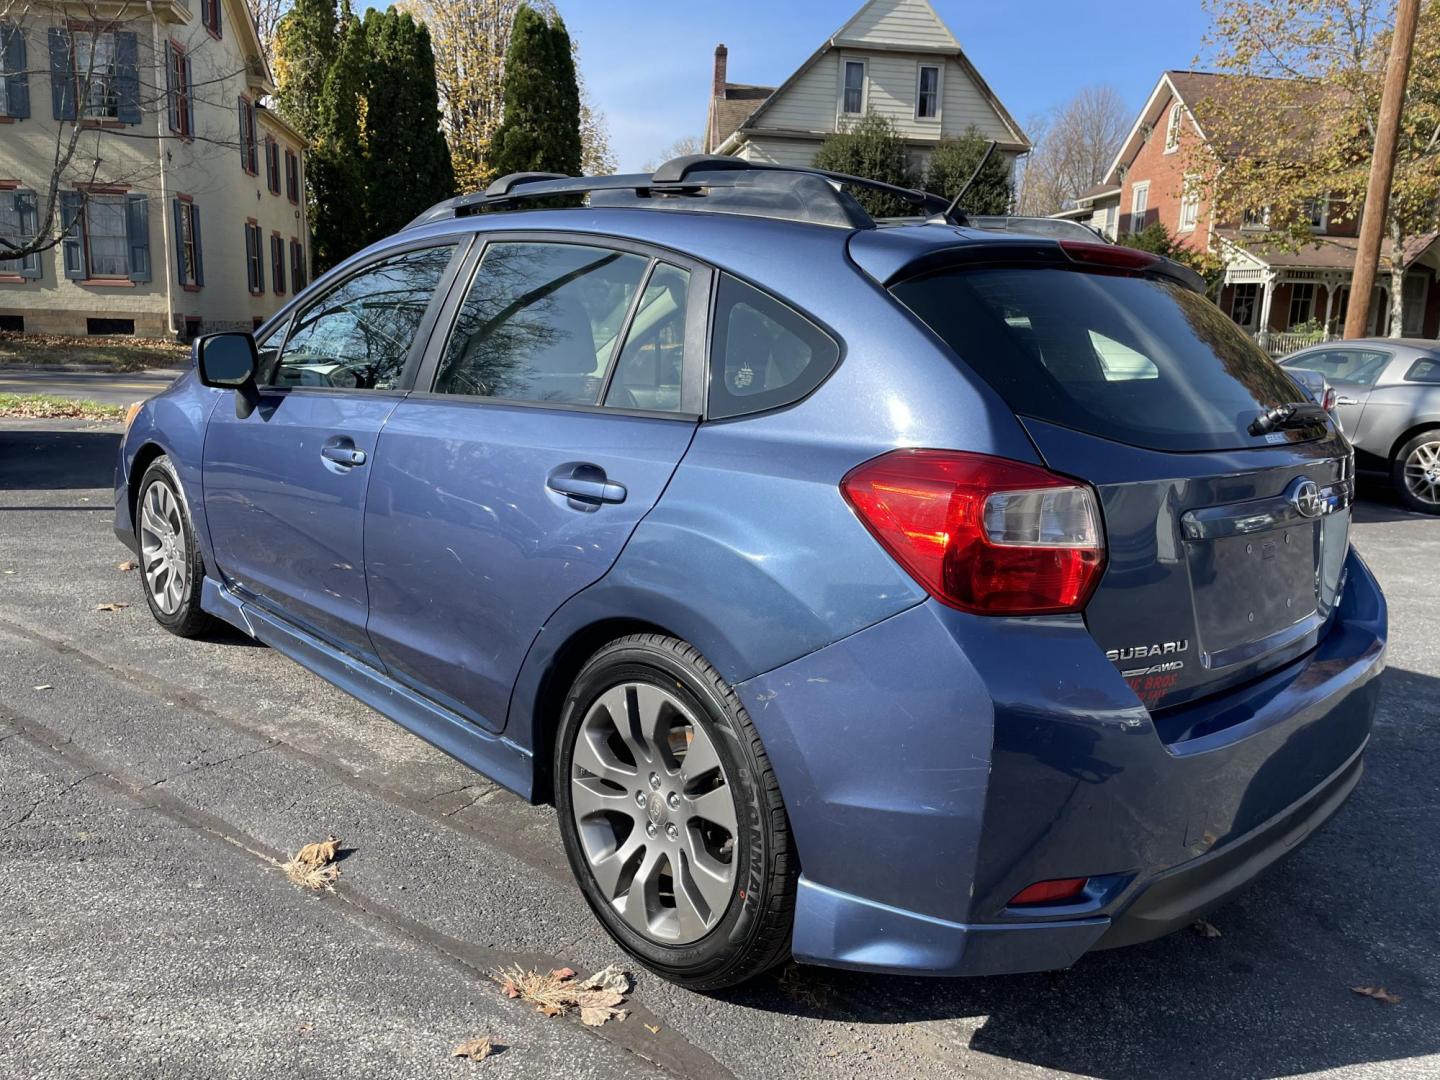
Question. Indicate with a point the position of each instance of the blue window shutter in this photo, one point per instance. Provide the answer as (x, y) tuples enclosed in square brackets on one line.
[(189, 98), (137, 230), (127, 76), (28, 211), (17, 79), (177, 210), (172, 99), (195, 238), (72, 205), (62, 75)]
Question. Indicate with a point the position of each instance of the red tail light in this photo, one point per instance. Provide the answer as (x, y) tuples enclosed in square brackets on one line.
[(1330, 398), (1111, 255), (983, 534)]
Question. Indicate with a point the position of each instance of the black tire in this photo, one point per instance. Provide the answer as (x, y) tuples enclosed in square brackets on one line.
[(1430, 438), (187, 620), (753, 934)]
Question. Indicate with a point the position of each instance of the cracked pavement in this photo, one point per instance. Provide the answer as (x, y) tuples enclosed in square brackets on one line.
[(146, 799)]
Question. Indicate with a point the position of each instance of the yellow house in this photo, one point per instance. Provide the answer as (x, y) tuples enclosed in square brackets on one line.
[(135, 136)]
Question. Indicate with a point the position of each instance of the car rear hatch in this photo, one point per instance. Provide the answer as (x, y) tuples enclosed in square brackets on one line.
[(1226, 521)]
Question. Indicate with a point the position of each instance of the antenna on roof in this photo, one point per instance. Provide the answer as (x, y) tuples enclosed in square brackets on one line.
[(965, 188)]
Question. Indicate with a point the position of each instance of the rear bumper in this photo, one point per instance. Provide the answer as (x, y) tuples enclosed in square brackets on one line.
[(935, 764)]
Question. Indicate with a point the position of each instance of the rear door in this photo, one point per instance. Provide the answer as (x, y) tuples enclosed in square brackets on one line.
[(285, 486), (545, 425), (1225, 548)]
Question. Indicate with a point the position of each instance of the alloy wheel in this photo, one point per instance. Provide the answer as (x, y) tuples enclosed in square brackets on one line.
[(655, 812), (1422, 473), (162, 547)]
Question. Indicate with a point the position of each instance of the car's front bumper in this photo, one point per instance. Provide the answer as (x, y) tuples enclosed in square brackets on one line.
[(935, 764)]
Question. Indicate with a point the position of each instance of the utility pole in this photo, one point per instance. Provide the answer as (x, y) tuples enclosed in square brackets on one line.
[(1382, 169)]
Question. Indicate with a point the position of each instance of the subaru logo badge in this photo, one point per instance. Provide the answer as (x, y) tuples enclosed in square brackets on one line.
[(1304, 495)]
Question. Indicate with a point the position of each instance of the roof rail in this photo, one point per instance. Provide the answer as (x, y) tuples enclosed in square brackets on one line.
[(705, 182)]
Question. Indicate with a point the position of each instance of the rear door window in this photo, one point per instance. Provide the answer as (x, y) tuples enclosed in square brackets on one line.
[(1134, 359), (764, 354), (650, 371)]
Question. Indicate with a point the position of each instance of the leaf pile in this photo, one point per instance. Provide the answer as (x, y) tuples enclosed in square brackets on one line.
[(52, 407), (557, 992), (313, 866)]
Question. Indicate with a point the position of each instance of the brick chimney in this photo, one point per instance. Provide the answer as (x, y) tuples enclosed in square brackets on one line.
[(721, 55)]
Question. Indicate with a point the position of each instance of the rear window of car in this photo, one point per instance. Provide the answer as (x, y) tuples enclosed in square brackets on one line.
[(1134, 359), (1424, 371)]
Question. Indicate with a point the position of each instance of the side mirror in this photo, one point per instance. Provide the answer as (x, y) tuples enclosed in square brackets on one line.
[(228, 362)]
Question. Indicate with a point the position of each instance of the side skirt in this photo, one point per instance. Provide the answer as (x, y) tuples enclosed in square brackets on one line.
[(501, 760)]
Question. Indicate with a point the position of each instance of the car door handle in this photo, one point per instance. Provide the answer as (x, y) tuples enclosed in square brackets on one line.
[(1343, 400), (343, 453), (586, 486)]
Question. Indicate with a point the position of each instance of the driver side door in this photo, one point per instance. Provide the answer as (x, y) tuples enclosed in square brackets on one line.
[(284, 487)]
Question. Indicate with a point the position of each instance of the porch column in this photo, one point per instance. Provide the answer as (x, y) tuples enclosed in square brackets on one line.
[(1332, 286), (1267, 290)]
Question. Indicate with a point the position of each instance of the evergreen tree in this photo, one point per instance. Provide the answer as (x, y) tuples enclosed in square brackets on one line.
[(541, 130), (871, 147), (954, 162), (305, 46), (407, 163), (338, 159)]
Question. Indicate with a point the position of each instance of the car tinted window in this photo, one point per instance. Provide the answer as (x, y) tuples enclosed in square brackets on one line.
[(540, 323), (764, 354), (1362, 366), (1135, 359), (1424, 371), (648, 375), (358, 335)]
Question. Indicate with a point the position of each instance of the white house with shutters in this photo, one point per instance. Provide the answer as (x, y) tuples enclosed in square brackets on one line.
[(895, 58), (180, 196)]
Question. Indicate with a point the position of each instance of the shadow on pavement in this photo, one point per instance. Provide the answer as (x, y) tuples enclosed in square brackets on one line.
[(1271, 997), (36, 459)]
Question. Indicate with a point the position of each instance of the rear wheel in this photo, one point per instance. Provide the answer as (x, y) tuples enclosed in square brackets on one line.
[(671, 815), (1416, 472), (170, 566)]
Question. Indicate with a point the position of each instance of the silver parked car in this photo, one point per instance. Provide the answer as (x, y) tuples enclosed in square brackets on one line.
[(1388, 398)]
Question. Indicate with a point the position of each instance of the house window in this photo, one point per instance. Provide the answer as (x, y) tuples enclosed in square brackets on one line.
[(1316, 213), (107, 243), (853, 103), (1413, 317), (248, 154), (178, 87), (272, 165), (277, 264), (254, 259), (210, 15), (189, 267), (1172, 129), (1245, 304), (1258, 218), (1189, 205), (927, 99), (1139, 203), (292, 176), (297, 265), (95, 72), (19, 222), (1302, 303)]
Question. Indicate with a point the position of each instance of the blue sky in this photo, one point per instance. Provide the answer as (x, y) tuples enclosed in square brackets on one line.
[(648, 65)]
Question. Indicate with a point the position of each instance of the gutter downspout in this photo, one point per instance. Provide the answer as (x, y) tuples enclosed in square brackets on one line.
[(164, 202)]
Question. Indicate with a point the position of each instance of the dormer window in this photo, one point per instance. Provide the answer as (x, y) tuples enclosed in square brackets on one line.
[(1172, 129), (927, 96)]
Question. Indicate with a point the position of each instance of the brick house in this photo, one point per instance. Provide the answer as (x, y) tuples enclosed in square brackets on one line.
[(895, 58), (1266, 290), (194, 219)]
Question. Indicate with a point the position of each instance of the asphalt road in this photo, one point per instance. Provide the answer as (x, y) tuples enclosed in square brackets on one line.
[(107, 387), (147, 792)]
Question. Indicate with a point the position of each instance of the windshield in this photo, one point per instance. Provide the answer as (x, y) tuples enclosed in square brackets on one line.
[(1138, 360)]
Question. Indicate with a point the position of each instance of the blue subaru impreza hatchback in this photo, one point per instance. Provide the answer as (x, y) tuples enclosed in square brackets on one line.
[(896, 595)]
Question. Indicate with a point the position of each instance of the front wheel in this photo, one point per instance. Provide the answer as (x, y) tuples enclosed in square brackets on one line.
[(171, 569), (672, 817), (1416, 472)]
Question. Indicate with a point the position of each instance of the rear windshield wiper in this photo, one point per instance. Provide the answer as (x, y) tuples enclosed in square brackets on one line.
[(1291, 415)]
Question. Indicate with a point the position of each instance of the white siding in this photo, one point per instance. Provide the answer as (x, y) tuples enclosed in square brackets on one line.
[(773, 151), (811, 102), (898, 22), (965, 107)]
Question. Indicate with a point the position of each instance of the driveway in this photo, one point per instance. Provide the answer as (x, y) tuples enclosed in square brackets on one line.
[(107, 387), (149, 785)]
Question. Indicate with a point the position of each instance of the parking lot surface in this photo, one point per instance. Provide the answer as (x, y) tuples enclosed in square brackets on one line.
[(149, 787)]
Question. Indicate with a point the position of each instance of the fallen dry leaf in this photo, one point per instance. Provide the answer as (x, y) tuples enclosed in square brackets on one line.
[(653, 1029), (44, 686), (129, 564), (1206, 929), (556, 992), (476, 1049), (7, 571), (1379, 993), (313, 866), (114, 606)]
